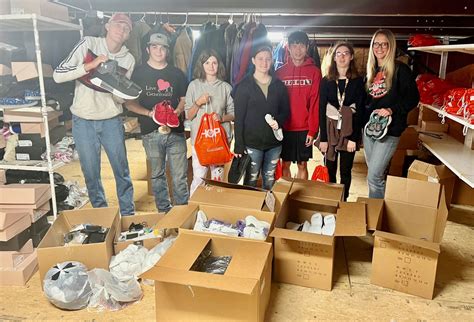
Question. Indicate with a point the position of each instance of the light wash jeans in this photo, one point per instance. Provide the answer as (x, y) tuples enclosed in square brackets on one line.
[(378, 154), (89, 137), (170, 147), (265, 161)]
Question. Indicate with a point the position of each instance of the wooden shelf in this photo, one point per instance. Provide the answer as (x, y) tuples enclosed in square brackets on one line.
[(439, 49), (457, 157), (453, 117), (25, 23)]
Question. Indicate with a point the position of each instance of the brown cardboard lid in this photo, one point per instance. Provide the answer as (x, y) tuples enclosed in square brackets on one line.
[(20, 67), (436, 172), (374, 211), (177, 216), (350, 219), (301, 236), (413, 191), (40, 191), (409, 240), (317, 190), (442, 218)]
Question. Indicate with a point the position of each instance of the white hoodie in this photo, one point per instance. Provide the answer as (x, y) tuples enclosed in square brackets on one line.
[(91, 104)]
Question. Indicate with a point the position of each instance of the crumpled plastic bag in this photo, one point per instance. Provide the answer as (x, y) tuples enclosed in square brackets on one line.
[(128, 263), (108, 293), (66, 285), (154, 255)]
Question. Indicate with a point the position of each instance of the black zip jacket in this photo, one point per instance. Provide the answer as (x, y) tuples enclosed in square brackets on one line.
[(251, 129), (401, 99)]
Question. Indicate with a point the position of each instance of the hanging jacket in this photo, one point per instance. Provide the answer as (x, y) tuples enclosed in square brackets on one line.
[(230, 35), (134, 41), (302, 83), (279, 57), (182, 50), (235, 53), (314, 53)]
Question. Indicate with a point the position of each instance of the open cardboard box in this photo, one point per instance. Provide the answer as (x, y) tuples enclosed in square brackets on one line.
[(149, 220), (51, 250), (184, 217), (408, 236), (307, 259), (241, 293)]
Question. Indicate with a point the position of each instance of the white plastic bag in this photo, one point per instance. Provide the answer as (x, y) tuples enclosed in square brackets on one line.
[(154, 255), (128, 263)]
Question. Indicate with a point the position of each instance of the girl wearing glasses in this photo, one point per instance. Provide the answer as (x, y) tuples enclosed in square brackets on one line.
[(392, 92), (341, 103)]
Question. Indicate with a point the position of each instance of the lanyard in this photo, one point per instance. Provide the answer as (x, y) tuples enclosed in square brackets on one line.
[(341, 96)]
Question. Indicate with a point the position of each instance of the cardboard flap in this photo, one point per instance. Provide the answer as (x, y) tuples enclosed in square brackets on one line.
[(246, 258), (199, 279), (190, 248), (317, 190), (408, 240), (374, 211), (176, 217), (350, 219), (301, 236), (413, 191), (442, 218)]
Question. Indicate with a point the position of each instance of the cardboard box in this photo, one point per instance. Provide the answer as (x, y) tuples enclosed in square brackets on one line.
[(434, 173), (35, 211), (9, 216), (16, 243), (10, 116), (463, 194), (4, 69), (40, 7), (24, 194), (373, 209), (307, 259), (412, 117), (434, 126), (21, 274), (15, 228), (51, 250), (149, 220), (29, 70), (38, 128), (407, 246), (184, 217), (408, 139), (3, 177), (13, 259), (243, 292)]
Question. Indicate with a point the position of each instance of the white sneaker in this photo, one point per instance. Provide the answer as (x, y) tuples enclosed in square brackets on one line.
[(252, 221), (278, 132), (316, 223), (201, 218), (306, 227), (292, 225), (254, 233), (329, 225), (218, 228)]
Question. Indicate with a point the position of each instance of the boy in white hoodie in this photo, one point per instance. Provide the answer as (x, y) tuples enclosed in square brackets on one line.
[(95, 112)]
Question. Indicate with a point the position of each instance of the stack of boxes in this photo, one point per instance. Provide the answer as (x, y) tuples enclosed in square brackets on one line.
[(23, 223)]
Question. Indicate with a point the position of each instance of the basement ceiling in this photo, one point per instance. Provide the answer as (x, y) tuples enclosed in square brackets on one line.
[(356, 17)]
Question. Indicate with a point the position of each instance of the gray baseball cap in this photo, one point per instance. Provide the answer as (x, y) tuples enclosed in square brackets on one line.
[(159, 39)]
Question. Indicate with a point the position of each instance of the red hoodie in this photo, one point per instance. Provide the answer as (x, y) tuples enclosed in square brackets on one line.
[(302, 83)]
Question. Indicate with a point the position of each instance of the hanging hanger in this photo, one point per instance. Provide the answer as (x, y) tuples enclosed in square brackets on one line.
[(156, 18), (186, 20), (217, 18), (231, 18), (142, 19)]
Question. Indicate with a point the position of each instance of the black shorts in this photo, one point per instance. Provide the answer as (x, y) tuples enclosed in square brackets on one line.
[(293, 147)]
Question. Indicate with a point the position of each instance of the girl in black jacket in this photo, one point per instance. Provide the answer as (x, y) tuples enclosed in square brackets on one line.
[(342, 98), (392, 92), (257, 95)]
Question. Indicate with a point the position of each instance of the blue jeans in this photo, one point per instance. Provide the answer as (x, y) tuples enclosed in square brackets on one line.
[(89, 137), (265, 161), (378, 154), (172, 147)]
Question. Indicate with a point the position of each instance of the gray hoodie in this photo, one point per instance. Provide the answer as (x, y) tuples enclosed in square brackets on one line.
[(221, 102)]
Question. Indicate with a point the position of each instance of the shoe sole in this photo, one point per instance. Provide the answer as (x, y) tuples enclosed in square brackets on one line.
[(278, 134), (102, 84)]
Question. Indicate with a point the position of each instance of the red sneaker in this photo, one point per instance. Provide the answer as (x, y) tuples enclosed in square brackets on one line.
[(160, 113), (172, 119)]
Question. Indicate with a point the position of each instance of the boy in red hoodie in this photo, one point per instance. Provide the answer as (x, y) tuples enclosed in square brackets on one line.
[(302, 78)]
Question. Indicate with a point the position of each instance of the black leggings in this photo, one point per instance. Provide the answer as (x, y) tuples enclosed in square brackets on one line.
[(346, 160)]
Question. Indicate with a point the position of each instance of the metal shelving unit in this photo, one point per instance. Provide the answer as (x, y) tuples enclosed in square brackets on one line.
[(34, 23), (456, 156)]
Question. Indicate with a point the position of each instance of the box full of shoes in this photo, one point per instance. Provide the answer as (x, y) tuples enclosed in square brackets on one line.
[(212, 278), (408, 237), (232, 222), (138, 230), (85, 235), (305, 232)]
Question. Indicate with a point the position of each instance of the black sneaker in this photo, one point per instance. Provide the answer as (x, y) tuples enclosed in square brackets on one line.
[(238, 167), (107, 77)]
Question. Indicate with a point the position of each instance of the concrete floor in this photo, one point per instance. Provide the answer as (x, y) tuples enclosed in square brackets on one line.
[(352, 297)]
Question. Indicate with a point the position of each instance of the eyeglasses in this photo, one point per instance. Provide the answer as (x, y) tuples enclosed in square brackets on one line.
[(384, 45), (343, 53)]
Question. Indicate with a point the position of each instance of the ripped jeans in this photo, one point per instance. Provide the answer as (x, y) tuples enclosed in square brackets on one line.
[(265, 160)]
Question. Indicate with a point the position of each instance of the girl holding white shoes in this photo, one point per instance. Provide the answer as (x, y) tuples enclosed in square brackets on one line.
[(208, 89), (341, 106)]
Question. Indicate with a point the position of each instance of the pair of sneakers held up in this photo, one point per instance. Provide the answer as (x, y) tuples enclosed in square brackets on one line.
[(319, 225)]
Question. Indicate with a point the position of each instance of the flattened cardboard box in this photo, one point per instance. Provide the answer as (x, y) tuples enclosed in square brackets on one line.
[(38, 128), (15, 228), (9, 216), (51, 250), (307, 259), (434, 173), (184, 217), (21, 274), (407, 246), (24, 194), (28, 117), (11, 259), (28, 70), (149, 220), (242, 292)]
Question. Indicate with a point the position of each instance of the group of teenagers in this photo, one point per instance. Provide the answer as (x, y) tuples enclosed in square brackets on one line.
[(298, 98)]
